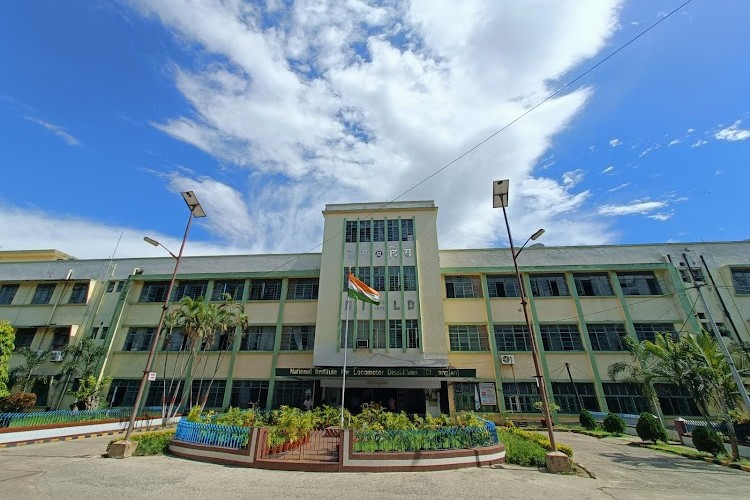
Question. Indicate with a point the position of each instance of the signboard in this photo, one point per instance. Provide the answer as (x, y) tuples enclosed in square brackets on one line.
[(367, 371), (487, 394), (151, 376)]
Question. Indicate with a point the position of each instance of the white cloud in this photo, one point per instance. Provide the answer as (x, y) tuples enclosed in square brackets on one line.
[(573, 178), (690, 130), (331, 102), (698, 143), (660, 216), (733, 133), (673, 142), (634, 207), (617, 188), (55, 129), (608, 169), (615, 142)]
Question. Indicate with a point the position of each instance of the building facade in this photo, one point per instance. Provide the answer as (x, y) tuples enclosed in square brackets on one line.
[(449, 334)]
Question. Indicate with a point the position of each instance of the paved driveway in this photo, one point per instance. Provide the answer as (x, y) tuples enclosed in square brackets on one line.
[(74, 469)]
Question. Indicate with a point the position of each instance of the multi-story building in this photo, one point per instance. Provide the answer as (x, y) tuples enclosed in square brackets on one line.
[(449, 334)]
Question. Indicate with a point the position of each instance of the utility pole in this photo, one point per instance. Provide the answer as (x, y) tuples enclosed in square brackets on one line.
[(578, 396)]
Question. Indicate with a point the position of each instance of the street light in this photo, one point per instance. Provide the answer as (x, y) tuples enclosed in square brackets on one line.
[(195, 211), (500, 200)]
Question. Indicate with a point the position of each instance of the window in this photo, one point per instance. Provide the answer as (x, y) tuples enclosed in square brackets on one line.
[(740, 280), (79, 294), (291, 393), (249, 393), (60, 338), (218, 342), (395, 334), (363, 273), (378, 230), (347, 334), (592, 285), (24, 338), (122, 392), (154, 291), (41, 389), (647, 331), (393, 230), (463, 287), (468, 338), (365, 231), (378, 278), (297, 338), (565, 396), (410, 278), (512, 338), (625, 398), (214, 395), (363, 330), (43, 293), (676, 400), (139, 339), (394, 278), (465, 398), (351, 231), (412, 334), (111, 286), (265, 289), (550, 285), (407, 230), (378, 334), (234, 289), (7, 293), (638, 283), (303, 289), (502, 286), (258, 338), (103, 331), (192, 289), (561, 338), (521, 396), (175, 341), (606, 337)]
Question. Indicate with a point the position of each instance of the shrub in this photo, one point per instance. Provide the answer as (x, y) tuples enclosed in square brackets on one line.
[(150, 443), (649, 428), (541, 440), (587, 420), (17, 402), (614, 424), (522, 451), (708, 440)]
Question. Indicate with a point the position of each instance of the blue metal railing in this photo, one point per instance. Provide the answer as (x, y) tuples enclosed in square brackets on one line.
[(37, 418), (226, 436), (630, 420), (691, 425)]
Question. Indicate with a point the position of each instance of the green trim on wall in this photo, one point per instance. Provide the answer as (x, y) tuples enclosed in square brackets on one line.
[(235, 348), (629, 328), (590, 353), (538, 339), (276, 345), (681, 293), (493, 347), (312, 273), (341, 283), (651, 266), (404, 336)]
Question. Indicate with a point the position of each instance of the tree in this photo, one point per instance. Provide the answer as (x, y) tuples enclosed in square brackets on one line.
[(7, 344), (639, 373), (89, 391), (199, 327), (80, 361), (697, 363), (24, 375)]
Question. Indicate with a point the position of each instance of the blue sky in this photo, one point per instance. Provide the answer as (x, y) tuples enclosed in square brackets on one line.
[(270, 110)]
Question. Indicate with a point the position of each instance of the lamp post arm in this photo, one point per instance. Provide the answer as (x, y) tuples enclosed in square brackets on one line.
[(157, 333), (529, 325)]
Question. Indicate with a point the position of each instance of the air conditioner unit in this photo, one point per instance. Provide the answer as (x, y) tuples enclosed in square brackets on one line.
[(56, 356), (507, 359), (363, 343)]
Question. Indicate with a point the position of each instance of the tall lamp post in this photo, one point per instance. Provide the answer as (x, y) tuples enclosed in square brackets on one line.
[(196, 211), (500, 199)]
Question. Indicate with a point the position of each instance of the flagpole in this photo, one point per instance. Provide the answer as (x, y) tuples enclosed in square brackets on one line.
[(346, 341)]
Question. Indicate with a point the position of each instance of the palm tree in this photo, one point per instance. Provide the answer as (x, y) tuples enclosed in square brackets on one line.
[(80, 360), (201, 324), (25, 374), (639, 373)]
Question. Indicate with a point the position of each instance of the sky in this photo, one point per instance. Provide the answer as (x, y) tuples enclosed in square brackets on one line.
[(269, 110)]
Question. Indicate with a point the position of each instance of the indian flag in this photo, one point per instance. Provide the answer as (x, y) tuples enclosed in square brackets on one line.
[(360, 291)]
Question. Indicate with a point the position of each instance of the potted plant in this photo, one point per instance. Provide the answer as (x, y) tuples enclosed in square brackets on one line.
[(553, 407)]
